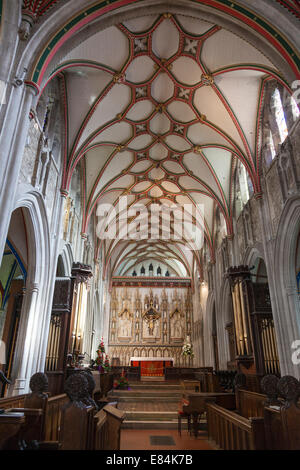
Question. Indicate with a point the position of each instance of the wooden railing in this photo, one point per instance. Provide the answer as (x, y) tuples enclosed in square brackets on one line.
[(250, 404), (53, 417), (13, 402), (231, 431)]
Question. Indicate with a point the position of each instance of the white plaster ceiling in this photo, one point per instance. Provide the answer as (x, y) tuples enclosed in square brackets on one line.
[(159, 108)]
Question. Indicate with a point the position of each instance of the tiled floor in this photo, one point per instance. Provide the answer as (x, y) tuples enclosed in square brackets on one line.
[(139, 439)]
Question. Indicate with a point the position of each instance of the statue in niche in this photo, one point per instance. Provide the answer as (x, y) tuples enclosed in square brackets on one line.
[(151, 319), (177, 324), (125, 324)]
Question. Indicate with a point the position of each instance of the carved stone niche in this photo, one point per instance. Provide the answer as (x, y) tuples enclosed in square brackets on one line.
[(286, 170), (225, 253), (125, 319), (246, 214)]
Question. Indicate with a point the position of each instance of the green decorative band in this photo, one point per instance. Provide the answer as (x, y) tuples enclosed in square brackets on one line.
[(108, 5)]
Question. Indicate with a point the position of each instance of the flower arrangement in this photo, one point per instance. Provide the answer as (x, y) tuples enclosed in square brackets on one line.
[(106, 365), (122, 382), (100, 356), (187, 349)]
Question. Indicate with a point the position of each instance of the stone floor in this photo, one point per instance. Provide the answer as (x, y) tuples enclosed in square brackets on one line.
[(139, 439)]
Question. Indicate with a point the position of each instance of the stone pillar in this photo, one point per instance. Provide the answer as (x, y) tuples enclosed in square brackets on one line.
[(284, 298), (12, 143), (49, 284), (9, 42), (26, 349), (223, 348)]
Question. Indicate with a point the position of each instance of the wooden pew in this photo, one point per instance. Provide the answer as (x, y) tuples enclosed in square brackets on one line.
[(53, 417), (13, 402), (107, 429), (10, 425), (230, 431), (250, 404), (82, 428), (282, 419), (34, 410), (262, 421)]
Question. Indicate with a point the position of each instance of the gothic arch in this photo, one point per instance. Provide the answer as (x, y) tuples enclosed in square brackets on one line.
[(67, 259), (252, 254), (36, 308), (286, 318), (207, 333), (58, 19)]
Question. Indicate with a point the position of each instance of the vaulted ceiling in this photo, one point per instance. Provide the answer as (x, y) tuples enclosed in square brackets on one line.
[(160, 109)]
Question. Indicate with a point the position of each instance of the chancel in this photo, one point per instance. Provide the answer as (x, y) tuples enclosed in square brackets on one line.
[(150, 225)]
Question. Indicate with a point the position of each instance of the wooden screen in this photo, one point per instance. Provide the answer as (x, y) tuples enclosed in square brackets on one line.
[(56, 357)]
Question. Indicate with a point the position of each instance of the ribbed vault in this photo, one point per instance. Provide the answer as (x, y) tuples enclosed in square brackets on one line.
[(160, 109)]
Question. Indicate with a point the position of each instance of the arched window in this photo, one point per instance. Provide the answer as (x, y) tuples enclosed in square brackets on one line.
[(243, 181), (272, 146), (279, 116)]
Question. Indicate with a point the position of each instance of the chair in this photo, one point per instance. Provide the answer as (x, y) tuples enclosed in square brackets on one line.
[(183, 414)]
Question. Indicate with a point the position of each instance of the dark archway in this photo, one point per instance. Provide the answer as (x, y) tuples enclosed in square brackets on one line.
[(13, 274)]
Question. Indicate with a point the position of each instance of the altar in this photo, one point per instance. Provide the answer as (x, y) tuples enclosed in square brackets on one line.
[(152, 366)]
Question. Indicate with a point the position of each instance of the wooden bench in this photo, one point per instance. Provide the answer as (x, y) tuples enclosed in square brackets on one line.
[(82, 428), (10, 425)]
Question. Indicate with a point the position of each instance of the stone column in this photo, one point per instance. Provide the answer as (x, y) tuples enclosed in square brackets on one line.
[(49, 283), (25, 350), (12, 143), (283, 300), (9, 42), (223, 348)]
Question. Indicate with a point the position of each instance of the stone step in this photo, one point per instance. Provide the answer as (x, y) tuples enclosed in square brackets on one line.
[(167, 424), (150, 415), (146, 393), (159, 424), (154, 387), (142, 399)]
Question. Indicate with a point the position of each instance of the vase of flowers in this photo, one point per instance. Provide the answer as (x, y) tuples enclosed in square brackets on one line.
[(187, 348)]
